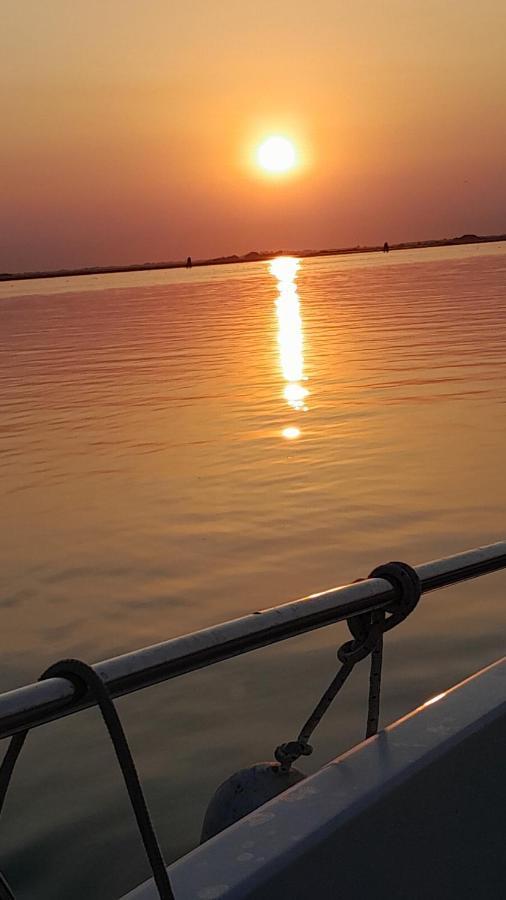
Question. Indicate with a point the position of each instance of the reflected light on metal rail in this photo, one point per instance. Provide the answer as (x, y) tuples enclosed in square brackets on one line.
[(435, 699)]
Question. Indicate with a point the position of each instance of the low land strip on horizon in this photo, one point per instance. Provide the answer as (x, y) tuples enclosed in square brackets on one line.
[(253, 256)]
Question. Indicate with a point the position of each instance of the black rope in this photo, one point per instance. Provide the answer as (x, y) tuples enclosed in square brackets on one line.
[(8, 763), (373, 704), (5, 891), (86, 681), (6, 770), (286, 754), (367, 631)]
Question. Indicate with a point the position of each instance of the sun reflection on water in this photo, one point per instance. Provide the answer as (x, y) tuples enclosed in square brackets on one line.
[(290, 337), (291, 433)]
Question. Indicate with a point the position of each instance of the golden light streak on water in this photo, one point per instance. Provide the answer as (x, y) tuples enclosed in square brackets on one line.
[(149, 492), (290, 336)]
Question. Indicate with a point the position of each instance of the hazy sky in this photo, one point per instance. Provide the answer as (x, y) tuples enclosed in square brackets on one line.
[(128, 127)]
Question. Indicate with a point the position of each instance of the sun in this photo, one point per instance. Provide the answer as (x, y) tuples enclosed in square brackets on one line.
[(276, 154)]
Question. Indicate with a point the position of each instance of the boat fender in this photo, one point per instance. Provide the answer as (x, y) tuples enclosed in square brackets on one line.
[(244, 792)]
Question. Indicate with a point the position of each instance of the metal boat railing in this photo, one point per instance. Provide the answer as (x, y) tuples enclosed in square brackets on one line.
[(44, 701)]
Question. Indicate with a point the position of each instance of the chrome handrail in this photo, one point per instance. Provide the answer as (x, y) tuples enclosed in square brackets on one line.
[(45, 701)]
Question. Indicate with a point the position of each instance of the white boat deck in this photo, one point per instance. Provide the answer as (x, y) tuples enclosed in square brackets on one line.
[(417, 812)]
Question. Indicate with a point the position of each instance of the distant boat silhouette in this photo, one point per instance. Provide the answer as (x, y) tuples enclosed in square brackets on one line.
[(386, 248), (189, 262)]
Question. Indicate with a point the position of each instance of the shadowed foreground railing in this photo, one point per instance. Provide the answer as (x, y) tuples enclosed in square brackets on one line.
[(370, 607), (53, 698)]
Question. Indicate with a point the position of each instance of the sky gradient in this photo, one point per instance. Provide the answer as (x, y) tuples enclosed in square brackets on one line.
[(129, 129)]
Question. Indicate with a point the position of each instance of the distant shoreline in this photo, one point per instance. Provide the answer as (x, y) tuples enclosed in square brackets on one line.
[(251, 257)]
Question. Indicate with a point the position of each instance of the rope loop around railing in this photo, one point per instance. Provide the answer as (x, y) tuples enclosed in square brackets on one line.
[(367, 628), (367, 631), (406, 583)]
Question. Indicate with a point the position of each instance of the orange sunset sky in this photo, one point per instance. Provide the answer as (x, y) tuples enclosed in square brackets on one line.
[(129, 128)]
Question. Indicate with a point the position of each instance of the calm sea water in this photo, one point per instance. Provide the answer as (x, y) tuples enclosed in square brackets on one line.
[(182, 447)]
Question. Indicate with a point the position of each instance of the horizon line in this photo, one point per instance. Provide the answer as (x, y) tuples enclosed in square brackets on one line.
[(251, 256)]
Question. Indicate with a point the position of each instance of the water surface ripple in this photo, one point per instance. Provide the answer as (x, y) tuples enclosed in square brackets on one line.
[(178, 448)]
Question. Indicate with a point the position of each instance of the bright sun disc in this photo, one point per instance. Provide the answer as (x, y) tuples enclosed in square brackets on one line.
[(276, 154)]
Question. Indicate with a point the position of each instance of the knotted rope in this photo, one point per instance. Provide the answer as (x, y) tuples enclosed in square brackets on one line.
[(367, 631)]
